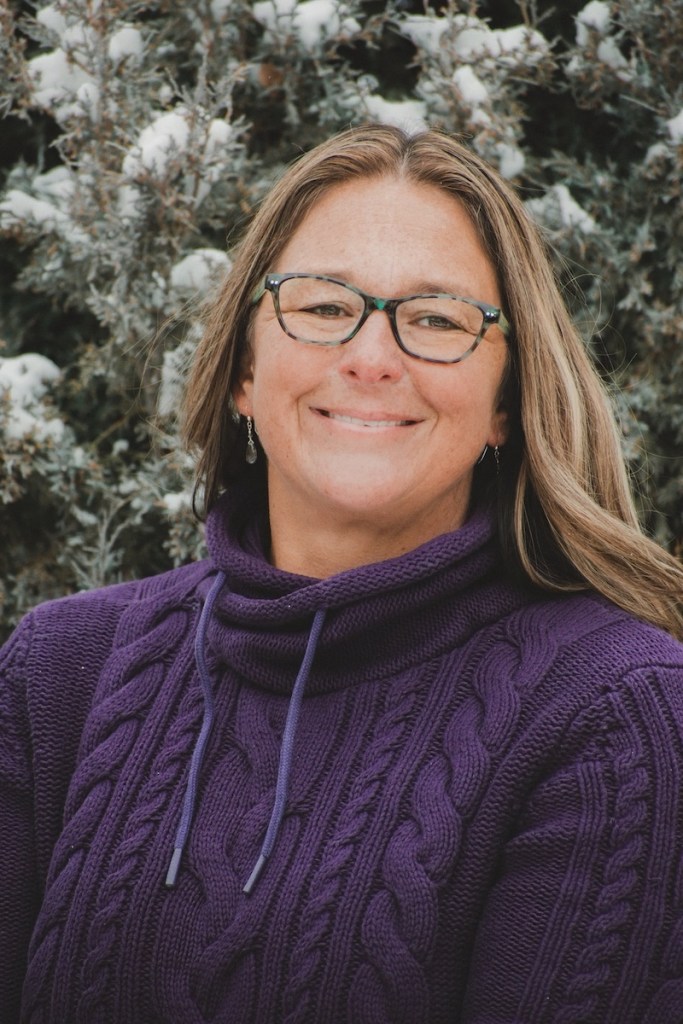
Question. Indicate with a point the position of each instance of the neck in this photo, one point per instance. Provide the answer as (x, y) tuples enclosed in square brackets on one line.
[(329, 546)]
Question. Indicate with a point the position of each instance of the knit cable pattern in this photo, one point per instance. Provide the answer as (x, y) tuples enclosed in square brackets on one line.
[(618, 897), (129, 683), (401, 920), (337, 857), (163, 777), (229, 923)]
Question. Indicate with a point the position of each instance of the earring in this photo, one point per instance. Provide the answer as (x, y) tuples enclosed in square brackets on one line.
[(496, 455), (251, 454), (482, 456)]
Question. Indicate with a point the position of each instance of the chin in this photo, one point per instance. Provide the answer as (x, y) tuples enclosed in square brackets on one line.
[(362, 506)]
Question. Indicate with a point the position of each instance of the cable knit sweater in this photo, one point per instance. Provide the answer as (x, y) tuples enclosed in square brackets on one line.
[(484, 820)]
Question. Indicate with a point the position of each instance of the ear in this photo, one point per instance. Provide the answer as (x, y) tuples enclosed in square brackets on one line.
[(500, 428), (242, 392)]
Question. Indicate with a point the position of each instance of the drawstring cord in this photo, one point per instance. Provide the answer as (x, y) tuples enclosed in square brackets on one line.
[(200, 745), (286, 751)]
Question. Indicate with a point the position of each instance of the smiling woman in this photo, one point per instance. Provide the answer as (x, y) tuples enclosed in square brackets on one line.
[(408, 746), (370, 449)]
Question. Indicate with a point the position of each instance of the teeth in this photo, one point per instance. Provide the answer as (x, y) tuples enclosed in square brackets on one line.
[(367, 423)]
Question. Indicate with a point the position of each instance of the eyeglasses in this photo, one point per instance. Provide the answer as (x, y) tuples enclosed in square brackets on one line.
[(320, 310)]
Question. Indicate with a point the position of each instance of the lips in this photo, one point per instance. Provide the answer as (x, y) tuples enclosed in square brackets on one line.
[(366, 421)]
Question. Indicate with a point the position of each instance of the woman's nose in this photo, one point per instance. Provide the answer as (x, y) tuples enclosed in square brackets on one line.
[(373, 354)]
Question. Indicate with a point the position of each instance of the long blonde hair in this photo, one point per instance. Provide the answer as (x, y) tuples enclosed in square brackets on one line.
[(566, 514)]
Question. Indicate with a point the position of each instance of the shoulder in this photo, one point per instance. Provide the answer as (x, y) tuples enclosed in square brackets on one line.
[(93, 608), (63, 644), (579, 659), (95, 615), (588, 630), (54, 669)]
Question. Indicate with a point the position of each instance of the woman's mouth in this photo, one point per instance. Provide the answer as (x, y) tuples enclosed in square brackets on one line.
[(361, 421)]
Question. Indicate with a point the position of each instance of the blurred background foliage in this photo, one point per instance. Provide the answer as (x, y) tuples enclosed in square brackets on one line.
[(137, 139)]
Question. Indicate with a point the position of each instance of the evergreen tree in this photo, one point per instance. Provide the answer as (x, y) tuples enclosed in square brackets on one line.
[(138, 137)]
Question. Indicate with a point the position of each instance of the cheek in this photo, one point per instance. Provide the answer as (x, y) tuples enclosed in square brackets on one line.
[(285, 370), (468, 398)]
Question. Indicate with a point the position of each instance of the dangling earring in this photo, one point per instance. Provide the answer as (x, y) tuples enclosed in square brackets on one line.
[(251, 454), (482, 456), (496, 455)]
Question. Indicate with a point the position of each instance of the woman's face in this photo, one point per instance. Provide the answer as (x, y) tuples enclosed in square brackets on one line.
[(363, 436)]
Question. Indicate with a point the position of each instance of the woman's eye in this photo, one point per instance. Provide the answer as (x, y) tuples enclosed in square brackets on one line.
[(438, 323), (327, 310)]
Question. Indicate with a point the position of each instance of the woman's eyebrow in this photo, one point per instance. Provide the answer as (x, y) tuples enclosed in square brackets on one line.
[(420, 287), (429, 287)]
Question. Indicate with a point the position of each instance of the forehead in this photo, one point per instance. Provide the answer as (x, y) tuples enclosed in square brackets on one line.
[(389, 232)]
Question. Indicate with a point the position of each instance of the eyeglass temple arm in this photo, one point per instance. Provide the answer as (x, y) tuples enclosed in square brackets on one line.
[(502, 322)]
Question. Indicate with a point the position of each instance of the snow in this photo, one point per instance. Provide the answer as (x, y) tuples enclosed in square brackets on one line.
[(407, 114), (19, 207), (57, 184), (474, 94), (518, 42), (55, 79), (313, 21), (558, 204), (595, 19), (658, 151), (675, 127), (173, 371), (79, 39), (473, 40), (88, 96), (52, 19), (610, 54), (24, 380), (177, 502), (480, 117), (127, 486), (316, 20), (199, 270), (214, 138), (129, 202), (165, 138), (218, 136), (511, 160), (596, 16), (424, 31), (127, 42), (49, 210), (471, 88)]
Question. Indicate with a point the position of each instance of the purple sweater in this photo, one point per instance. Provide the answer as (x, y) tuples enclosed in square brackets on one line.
[(482, 813)]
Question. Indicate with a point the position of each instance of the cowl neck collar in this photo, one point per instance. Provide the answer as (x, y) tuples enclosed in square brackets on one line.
[(382, 619)]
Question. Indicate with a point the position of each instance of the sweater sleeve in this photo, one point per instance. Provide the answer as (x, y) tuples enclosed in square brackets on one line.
[(19, 896), (48, 672), (585, 919)]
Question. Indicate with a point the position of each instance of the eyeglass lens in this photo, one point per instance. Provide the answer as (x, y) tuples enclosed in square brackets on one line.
[(327, 312)]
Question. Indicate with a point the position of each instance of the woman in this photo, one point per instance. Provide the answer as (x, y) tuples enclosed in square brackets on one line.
[(408, 745)]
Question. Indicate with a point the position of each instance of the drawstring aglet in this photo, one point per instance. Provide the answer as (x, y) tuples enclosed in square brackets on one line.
[(172, 873), (251, 881)]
